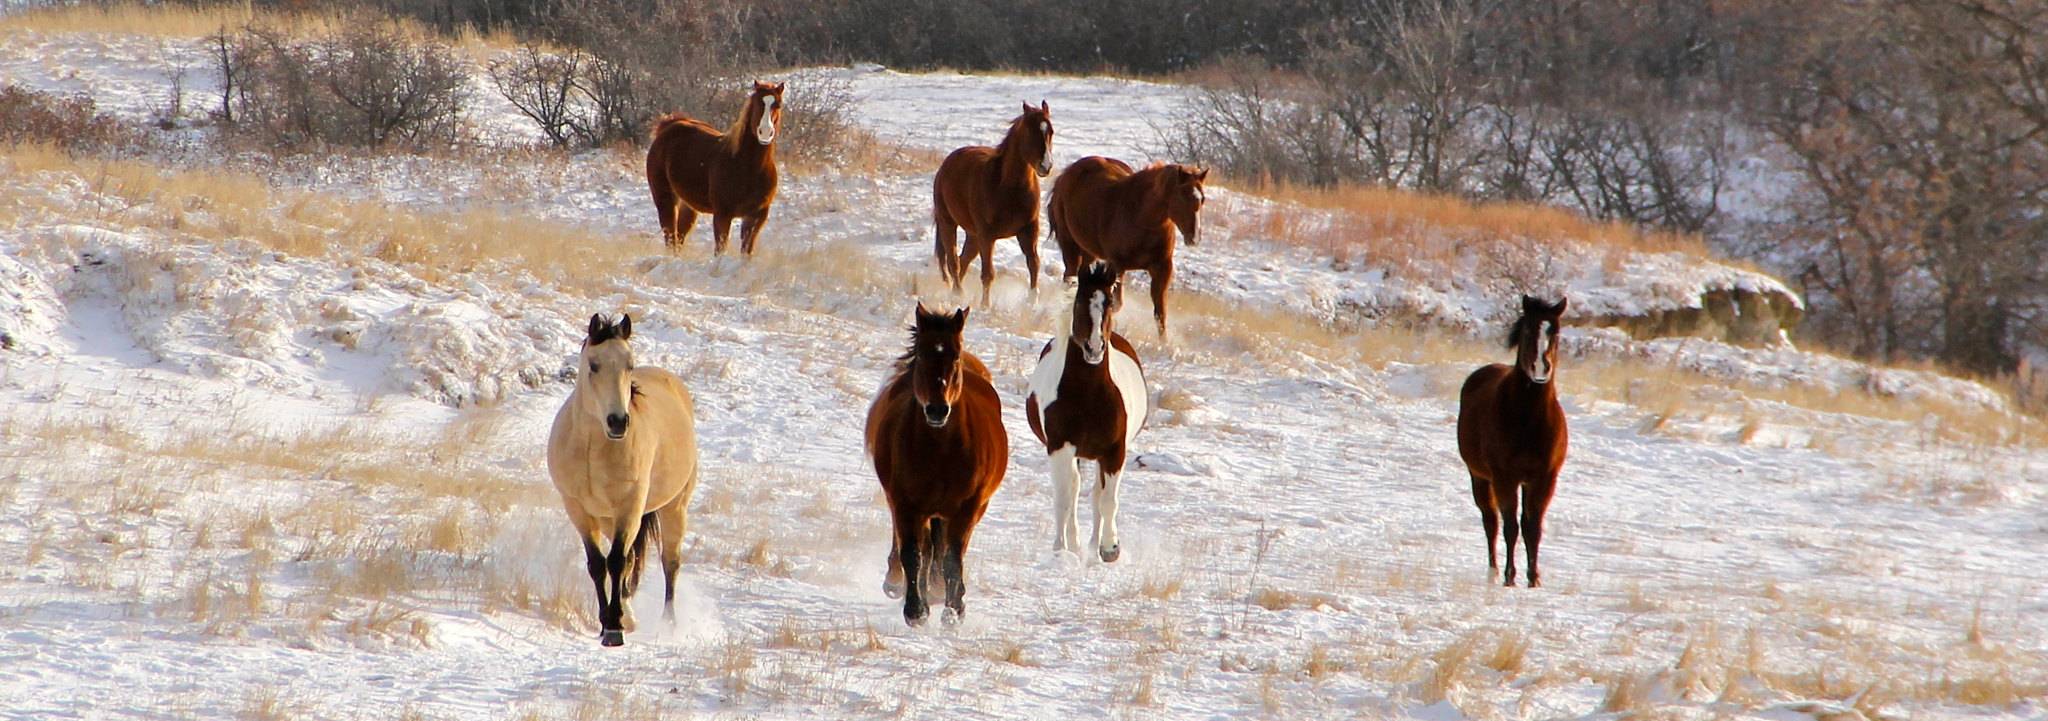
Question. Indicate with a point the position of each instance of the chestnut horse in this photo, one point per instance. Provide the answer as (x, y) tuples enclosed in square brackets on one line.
[(1511, 433), (692, 168), (1088, 400), (935, 433), (992, 193), (623, 455), (1102, 210)]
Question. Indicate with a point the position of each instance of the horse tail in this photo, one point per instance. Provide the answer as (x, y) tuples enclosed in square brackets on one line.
[(636, 553)]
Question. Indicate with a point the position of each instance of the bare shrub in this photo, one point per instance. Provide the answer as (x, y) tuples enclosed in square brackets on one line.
[(30, 116), (367, 86), (546, 87)]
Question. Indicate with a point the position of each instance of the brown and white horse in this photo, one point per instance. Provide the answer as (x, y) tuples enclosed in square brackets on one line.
[(1512, 435), (623, 455), (1088, 401), (1100, 209), (935, 433), (693, 168), (992, 193)]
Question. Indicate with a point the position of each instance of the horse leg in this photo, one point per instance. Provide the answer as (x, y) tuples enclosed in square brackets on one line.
[(750, 228), (964, 259), (1027, 239), (1162, 276), (957, 533), (636, 564), (613, 616), (670, 523), (686, 218), (721, 231), (1105, 512), (1066, 492), (987, 248), (593, 559), (892, 581), (934, 555), (945, 238), (665, 203), (1536, 504), (910, 533), (1506, 498), (1482, 495)]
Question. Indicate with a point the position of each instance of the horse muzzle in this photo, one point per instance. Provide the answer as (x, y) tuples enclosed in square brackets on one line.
[(936, 414), (615, 426), (1093, 353)]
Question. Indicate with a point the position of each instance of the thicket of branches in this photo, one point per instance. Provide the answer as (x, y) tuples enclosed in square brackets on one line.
[(368, 86), (1910, 133)]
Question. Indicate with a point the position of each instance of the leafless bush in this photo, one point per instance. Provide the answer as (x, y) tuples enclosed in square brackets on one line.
[(818, 120), (368, 86), (547, 88), (30, 116)]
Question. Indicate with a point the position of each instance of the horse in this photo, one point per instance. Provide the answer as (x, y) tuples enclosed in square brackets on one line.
[(935, 433), (693, 168), (1100, 209), (1088, 400), (992, 193), (1512, 435), (623, 455)]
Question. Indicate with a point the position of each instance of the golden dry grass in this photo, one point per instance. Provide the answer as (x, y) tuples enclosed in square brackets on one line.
[(180, 20)]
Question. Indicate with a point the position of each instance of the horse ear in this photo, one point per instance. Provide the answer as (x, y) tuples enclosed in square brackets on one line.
[(1532, 304), (1201, 174), (1043, 108), (1561, 301), (1027, 107), (779, 86), (625, 327), (596, 326), (960, 319)]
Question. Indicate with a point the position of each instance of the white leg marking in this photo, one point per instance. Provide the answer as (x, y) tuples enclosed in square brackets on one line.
[(1066, 490), (1105, 514)]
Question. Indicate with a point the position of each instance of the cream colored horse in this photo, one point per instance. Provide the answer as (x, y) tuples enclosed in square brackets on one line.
[(623, 454)]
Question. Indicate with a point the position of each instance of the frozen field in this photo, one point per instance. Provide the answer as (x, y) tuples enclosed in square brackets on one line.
[(271, 439)]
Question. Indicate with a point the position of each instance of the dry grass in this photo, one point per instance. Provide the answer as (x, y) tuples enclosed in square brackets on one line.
[(183, 20)]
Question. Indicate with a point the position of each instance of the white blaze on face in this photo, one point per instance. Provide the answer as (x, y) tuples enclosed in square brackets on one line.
[(1092, 351), (1539, 370), (765, 130)]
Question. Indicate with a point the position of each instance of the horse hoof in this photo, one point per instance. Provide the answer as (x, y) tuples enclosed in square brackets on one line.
[(1110, 554), (951, 617), (613, 638), (892, 590), (1510, 583), (1535, 582)]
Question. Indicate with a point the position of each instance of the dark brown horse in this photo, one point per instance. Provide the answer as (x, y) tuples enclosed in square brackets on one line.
[(1102, 210), (1088, 400), (992, 193), (692, 168), (1511, 433), (936, 435)]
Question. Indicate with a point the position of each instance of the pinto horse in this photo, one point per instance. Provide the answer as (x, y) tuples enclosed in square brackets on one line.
[(1102, 210), (935, 433), (992, 193), (1088, 400), (1512, 436), (692, 168), (623, 455)]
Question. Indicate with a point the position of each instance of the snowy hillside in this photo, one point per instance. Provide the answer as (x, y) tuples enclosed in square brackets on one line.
[(272, 444)]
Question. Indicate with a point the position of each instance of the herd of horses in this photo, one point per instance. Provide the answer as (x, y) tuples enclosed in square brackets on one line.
[(622, 451)]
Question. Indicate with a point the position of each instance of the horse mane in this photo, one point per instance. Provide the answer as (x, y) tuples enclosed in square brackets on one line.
[(1003, 148), (738, 132)]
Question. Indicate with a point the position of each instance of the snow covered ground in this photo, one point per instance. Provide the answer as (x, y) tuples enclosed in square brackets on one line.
[(240, 480)]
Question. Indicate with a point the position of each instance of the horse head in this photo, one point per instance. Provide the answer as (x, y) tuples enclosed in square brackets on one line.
[(604, 381), (1034, 130), (935, 368), (1097, 297), (1184, 199), (1534, 338), (764, 111)]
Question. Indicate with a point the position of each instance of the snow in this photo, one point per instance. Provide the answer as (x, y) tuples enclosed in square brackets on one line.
[(1298, 536)]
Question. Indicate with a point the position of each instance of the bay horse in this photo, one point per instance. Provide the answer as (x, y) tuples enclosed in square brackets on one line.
[(693, 168), (992, 193), (623, 455), (1512, 435), (1102, 210), (935, 433), (1088, 401)]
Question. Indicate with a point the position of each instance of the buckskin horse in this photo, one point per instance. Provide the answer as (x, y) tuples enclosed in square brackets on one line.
[(623, 455)]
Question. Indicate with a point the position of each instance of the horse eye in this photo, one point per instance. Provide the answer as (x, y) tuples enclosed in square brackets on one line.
[(593, 366)]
